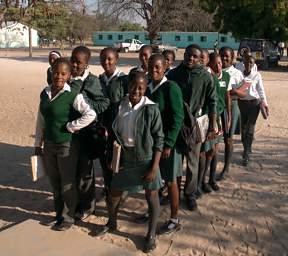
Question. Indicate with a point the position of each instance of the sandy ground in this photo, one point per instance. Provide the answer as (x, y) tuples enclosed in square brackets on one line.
[(248, 216)]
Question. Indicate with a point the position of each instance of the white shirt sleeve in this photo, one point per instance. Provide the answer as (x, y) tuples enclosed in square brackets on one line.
[(39, 130), (260, 89), (229, 87), (88, 115)]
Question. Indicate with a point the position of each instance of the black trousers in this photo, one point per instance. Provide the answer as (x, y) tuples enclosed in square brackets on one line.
[(86, 183), (60, 161), (249, 110)]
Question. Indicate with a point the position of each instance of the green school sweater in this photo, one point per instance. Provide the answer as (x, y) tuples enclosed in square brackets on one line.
[(197, 87), (116, 89), (170, 102), (92, 92), (57, 114)]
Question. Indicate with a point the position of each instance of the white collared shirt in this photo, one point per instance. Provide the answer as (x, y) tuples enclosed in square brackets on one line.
[(256, 89), (117, 73), (236, 76), (126, 119), (83, 77), (87, 115), (153, 89), (209, 70)]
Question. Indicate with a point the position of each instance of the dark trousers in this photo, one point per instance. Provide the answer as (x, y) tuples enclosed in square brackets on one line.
[(86, 183), (192, 158), (107, 174), (249, 113), (60, 161)]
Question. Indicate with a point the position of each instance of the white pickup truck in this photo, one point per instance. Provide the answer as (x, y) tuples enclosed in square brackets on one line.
[(129, 45)]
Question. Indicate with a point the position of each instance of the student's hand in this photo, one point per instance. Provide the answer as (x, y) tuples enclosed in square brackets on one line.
[(38, 151), (149, 176), (267, 110), (211, 134), (166, 153)]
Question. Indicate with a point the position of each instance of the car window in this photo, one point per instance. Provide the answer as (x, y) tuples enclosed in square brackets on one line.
[(128, 41), (254, 45)]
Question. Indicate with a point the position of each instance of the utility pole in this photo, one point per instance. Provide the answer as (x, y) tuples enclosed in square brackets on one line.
[(30, 41)]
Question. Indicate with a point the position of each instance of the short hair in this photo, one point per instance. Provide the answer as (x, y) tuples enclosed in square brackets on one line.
[(250, 57), (60, 61), (213, 56), (227, 48), (165, 53), (110, 49), (146, 46), (55, 53), (82, 49), (135, 75), (155, 57), (193, 46)]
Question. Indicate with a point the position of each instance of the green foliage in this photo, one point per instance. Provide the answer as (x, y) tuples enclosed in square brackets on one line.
[(128, 26), (251, 18)]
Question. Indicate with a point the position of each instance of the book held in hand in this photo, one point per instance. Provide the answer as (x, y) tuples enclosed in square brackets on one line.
[(37, 167), (115, 165), (263, 110)]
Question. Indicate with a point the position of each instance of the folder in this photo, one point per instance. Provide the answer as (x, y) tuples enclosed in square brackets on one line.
[(37, 167), (115, 165)]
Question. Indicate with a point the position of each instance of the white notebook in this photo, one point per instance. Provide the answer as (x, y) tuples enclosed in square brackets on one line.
[(115, 165), (37, 167)]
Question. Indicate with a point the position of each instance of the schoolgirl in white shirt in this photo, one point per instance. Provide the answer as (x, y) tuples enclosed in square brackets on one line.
[(250, 106)]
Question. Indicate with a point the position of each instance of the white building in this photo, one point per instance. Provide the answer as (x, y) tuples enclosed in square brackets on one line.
[(16, 35)]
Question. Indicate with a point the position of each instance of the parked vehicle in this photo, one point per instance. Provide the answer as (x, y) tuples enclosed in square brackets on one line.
[(264, 51), (129, 45), (160, 47)]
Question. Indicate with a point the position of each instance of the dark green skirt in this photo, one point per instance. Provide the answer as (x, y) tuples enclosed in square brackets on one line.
[(130, 177), (171, 168), (235, 124)]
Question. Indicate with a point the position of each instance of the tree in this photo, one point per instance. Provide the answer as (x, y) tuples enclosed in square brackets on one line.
[(153, 12), (187, 16), (251, 18), (128, 26), (165, 15)]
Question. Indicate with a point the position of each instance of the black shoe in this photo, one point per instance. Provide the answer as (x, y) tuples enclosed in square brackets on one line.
[(214, 186), (206, 188), (221, 176), (245, 161), (142, 219), (169, 227), (149, 244), (191, 204), (82, 215), (62, 226), (106, 229), (48, 223)]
